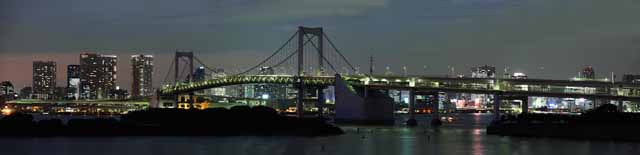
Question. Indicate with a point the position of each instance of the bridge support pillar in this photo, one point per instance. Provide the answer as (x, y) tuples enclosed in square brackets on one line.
[(192, 99), (435, 106), (496, 105), (321, 100), (525, 104), (412, 103), (300, 99), (620, 105)]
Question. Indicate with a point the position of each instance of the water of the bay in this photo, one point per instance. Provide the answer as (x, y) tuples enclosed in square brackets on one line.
[(465, 135)]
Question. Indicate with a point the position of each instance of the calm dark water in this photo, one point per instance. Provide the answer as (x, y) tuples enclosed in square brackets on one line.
[(464, 136)]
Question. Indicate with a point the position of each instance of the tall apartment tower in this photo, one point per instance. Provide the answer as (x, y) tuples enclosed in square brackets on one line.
[(97, 75), (142, 71), (44, 79)]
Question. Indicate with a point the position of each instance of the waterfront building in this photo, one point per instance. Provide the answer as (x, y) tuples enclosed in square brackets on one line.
[(587, 73), (475, 101), (118, 94), (73, 82), (44, 79), (485, 71), (269, 91), (7, 90), (25, 93), (59, 93), (142, 71), (519, 75), (97, 75), (199, 74), (219, 91), (234, 90), (631, 78)]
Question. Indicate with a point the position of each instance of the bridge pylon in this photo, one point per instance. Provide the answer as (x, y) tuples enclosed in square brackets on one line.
[(302, 34), (183, 56)]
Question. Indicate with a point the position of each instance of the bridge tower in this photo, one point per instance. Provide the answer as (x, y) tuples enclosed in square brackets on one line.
[(184, 56), (303, 33)]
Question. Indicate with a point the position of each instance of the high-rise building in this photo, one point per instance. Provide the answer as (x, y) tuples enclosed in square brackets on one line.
[(73, 82), (142, 69), (199, 74), (269, 91), (485, 71), (6, 90), (631, 78), (97, 75), (587, 73), (219, 91), (44, 79), (25, 93)]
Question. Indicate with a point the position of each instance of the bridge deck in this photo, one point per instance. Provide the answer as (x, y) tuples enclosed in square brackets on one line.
[(526, 87)]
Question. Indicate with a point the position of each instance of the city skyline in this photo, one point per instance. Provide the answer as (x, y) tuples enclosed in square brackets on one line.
[(550, 77), (565, 37)]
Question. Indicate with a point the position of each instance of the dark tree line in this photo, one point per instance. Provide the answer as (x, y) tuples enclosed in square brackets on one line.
[(239, 120)]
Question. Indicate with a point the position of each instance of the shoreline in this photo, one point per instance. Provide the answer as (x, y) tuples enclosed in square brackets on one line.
[(236, 121), (616, 126)]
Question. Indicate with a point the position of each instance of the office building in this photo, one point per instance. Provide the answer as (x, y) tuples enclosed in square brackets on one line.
[(73, 82), (97, 75), (269, 91), (483, 72), (7, 90), (219, 91), (142, 71), (199, 74)]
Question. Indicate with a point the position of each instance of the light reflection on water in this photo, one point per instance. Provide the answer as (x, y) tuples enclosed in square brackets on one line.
[(465, 136)]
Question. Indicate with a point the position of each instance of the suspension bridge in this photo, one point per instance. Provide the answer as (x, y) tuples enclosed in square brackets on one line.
[(309, 64)]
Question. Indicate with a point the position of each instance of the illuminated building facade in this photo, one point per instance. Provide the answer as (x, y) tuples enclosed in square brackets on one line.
[(44, 79), (142, 71), (219, 91), (483, 72), (97, 75), (519, 75), (269, 91), (587, 73), (73, 82), (199, 74), (6, 90)]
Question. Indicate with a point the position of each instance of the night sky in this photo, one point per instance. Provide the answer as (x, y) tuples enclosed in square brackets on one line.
[(543, 38)]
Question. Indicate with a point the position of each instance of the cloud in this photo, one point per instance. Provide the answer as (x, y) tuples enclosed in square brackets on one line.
[(277, 10)]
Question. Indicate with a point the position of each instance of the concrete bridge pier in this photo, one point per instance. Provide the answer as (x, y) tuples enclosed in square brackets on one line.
[(321, 101), (620, 105), (191, 99), (300, 97), (496, 106), (412, 103), (356, 107), (435, 106), (525, 104)]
